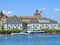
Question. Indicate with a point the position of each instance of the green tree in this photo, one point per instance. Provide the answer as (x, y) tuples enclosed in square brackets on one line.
[(1, 14), (12, 17), (24, 25)]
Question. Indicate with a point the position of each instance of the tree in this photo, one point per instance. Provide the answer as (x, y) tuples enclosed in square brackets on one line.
[(13, 17), (24, 25), (1, 14)]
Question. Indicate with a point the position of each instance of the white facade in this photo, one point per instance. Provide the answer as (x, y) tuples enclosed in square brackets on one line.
[(43, 21), (42, 26), (0, 25), (12, 26)]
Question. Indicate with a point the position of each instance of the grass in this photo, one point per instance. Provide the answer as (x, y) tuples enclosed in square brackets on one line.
[(18, 31), (10, 31), (52, 31)]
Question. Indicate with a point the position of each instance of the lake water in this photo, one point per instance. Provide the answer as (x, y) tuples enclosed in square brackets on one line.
[(30, 39)]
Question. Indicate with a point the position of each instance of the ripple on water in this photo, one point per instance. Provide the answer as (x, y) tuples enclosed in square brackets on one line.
[(30, 39)]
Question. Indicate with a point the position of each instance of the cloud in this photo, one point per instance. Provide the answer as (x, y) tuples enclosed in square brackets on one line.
[(4, 11), (43, 9), (7, 12), (57, 9)]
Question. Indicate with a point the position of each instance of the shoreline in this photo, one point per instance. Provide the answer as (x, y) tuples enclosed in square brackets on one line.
[(30, 33), (9, 32)]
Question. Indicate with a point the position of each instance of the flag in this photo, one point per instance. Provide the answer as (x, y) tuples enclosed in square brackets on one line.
[(41, 12)]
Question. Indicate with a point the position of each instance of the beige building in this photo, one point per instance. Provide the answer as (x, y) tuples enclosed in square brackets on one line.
[(35, 22), (28, 18)]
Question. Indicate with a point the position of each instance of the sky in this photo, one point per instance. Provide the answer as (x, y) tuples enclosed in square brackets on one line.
[(50, 8)]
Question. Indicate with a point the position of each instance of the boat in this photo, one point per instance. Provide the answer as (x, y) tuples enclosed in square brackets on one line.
[(34, 31), (30, 31), (18, 33)]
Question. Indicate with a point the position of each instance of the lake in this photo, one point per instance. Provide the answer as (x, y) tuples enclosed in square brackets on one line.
[(30, 39)]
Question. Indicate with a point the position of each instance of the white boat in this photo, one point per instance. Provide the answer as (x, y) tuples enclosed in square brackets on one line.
[(29, 31), (18, 33), (33, 31)]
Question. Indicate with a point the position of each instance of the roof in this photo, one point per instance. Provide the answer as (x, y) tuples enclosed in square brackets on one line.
[(49, 21), (31, 17), (37, 13), (0, 19), (34, 22), (43, 18), (14, 22)]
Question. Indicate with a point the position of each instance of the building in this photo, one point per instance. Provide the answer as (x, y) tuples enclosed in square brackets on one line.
[(42, 23), (28, 18), (35, 22), (0, 23), (13, 24)]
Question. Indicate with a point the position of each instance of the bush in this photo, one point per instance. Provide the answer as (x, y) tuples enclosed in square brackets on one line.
[(9, 31), (15, 31), (51, 30)]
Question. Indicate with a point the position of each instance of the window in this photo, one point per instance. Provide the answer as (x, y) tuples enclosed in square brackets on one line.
[(54, 25), (46, 25), (42, 25)]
